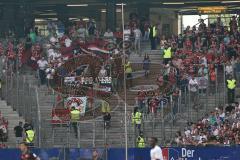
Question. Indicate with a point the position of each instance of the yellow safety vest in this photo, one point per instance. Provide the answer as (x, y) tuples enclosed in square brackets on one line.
[(128, 68), (154, 31), (140, 142), (231, 84), (30, 136), (105, 107), (167, 53), (75, 115), (137, 118)]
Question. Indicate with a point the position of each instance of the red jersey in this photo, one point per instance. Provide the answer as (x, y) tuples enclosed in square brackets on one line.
[(29, 156), (210, 57), (1, 49), (141, 95)]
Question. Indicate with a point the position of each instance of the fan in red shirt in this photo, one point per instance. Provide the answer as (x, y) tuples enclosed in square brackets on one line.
[(1, 49), (26, 153), (153, 105), (210, 57), (20, 50), (141, 98), (10, 51)]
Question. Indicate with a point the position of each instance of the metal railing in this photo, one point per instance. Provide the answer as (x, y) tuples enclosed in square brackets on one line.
[(23, 98)]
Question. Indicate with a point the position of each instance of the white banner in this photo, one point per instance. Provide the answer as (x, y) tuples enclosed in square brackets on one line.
[(79, 103)]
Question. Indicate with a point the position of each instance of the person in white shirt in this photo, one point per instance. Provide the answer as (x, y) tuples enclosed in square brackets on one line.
[(102, 73), (127, 33), (82, 32), (193, 88), (229, 69), (42, 65), (108, 35), (137, 39), (156, 151)]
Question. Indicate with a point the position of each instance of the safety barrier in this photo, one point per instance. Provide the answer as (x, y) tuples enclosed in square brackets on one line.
[(23, 98), (169, 153)]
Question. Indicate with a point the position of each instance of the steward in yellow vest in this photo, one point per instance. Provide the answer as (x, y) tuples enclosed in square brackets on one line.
[(30, 135), (167, 54), (75, 117), (140, 141), (137, 119), (231, 85), (128, 71), (152, 36)]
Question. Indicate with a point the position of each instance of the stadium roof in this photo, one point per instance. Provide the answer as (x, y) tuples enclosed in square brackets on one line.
[(89, 7)]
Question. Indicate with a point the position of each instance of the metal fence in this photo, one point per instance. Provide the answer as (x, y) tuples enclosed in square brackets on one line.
[(186, 107), (170, 117), (23, 98)]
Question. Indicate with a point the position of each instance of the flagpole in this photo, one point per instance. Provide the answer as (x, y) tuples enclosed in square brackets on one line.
[(125, 89)]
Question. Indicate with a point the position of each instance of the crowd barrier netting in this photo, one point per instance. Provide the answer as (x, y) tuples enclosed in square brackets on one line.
[(170, 153)]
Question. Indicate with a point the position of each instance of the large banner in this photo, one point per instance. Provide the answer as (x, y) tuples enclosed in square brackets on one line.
[(79, 103), (171, 153), (178, 153)]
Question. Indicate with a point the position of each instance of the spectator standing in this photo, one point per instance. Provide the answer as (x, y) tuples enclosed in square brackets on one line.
[(107, 120), (137, 40), (127, 33), (146, 30), (19, 133), (141, 100), (237, 67), (33, 36), (108, 35), (102, 72), (193, 88), (213, 78), (229, 69), (82, 32), (146, 65), (91, 28), (3, 132), (42, 65)]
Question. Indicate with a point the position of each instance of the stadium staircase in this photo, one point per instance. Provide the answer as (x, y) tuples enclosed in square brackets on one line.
[(13, 119)]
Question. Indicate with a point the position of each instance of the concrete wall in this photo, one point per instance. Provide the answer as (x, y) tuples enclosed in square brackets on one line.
[(167, 19)]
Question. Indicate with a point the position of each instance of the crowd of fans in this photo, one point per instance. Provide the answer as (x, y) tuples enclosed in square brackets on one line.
[(220, 127), (217, 45), (199, 56)]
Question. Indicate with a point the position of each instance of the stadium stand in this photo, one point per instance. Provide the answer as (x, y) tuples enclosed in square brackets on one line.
[(168, 97)]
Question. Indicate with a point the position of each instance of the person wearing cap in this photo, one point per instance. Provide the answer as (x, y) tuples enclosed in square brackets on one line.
[(140, 141), (231, 85), (75, 117)]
